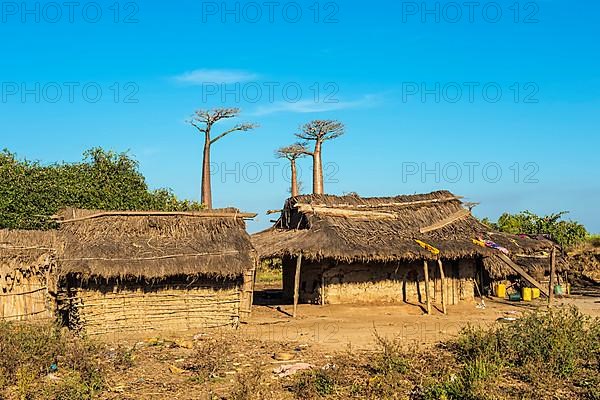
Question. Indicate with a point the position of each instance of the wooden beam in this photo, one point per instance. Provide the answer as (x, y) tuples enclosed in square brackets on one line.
[(297, 283), (552, 272), (443, 278), (537, 256), (183, 255), (391, 204), (518, 269), (197, 214), (446, 221), (337, 212), (427, 299)]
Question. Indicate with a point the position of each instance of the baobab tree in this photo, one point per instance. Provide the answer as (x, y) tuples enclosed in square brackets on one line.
[(319, 131), (203, 121), (292, 153)]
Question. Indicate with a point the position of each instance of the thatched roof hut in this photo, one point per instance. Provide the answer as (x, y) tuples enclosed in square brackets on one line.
[(357, 229), (121, 271), (350, 242), (139, 245)]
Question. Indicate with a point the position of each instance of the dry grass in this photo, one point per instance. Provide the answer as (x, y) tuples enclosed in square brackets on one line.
[(553, 354), (42, 361)]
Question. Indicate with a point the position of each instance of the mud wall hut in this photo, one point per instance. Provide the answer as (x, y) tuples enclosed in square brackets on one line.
[(139, 271), (356, 249), (27, 275)]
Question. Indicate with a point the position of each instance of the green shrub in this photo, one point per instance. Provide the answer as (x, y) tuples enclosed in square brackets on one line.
[(475, 378), (560, 341), (103, 180), (389, 359), (565, 233), (314, 384)]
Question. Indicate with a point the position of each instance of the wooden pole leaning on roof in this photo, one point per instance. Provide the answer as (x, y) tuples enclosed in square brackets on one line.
[(552, 272), (443, 278), (297, 283), (427, 299)]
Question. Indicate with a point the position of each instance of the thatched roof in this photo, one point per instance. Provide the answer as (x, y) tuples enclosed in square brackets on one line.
[(382, 229), (25, 252), (154, 245)]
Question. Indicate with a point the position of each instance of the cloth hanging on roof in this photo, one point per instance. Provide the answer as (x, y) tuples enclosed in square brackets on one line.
[(490, 244), (479, 242), (493, 245), (428, 247)]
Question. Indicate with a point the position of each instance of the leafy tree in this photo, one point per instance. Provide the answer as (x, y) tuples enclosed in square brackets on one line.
[(565, 233), (104, 180)]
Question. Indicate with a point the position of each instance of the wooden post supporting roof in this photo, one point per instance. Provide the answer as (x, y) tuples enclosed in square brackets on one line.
[(552, 272), (322, 285), (297, 283), (427, 299), (524, 274), (443, 278), (247, 294)]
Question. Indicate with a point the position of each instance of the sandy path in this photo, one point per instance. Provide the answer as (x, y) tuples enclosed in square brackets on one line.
[(339, 326)]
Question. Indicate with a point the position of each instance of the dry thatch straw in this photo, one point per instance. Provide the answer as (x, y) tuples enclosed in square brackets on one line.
[(155, 246), (27, 260), (24, 250), (382, 229)]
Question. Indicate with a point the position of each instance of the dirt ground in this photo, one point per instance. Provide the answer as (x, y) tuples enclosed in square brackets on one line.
[(339, 326), (159, 365)]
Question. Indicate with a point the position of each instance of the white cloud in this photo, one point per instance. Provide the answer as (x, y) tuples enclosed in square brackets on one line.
[(309, 106), (202, 76)]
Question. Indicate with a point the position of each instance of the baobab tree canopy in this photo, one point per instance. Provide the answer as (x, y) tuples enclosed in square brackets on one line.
[(319, 131), (293, 151), (203, 121)]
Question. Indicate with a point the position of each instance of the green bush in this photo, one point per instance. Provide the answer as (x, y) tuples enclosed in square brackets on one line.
[(390, 358), (314, 384), (104, 180), (559, 346), (561, 340), (565, 233)]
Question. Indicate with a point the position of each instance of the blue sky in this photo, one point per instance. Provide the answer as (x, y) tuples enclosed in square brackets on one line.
[(434, 95)]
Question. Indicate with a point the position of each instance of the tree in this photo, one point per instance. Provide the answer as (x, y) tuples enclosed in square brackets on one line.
[(292, 153), (203, 121), (565, 233), (104, 180), (320, 131)]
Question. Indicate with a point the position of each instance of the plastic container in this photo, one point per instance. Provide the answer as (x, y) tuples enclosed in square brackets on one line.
[(527, 294), (535, 293), (501, 290), (558, 290), (514, 297)]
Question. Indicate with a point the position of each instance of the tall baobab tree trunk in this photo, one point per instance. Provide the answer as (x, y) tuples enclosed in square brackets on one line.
[(292, 153), (319, 131), (203, 121), (294, 190), (206, 192), (317, 169)]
